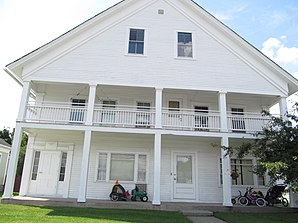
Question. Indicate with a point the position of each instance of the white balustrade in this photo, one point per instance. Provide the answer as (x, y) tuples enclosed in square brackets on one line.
[(143, 117)]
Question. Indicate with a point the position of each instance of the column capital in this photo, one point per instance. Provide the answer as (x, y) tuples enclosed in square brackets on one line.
[(92, 84), (222, 92), (158, 88)]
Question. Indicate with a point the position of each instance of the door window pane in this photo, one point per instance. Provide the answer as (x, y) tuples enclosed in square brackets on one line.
[(184, 169)]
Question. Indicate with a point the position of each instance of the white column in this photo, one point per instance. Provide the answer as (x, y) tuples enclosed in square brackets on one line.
[(283, 107), (226, 173), (13, 162), (26, 175), (84, 167), (293, 199), (157, 166), (158, 108), (24, 101), (91, 101), (222, 104)]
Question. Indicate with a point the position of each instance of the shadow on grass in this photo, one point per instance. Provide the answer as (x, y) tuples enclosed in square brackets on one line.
[(140, 216)]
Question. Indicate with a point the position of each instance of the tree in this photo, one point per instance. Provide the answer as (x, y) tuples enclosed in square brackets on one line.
[(276, 148), (6, 135)]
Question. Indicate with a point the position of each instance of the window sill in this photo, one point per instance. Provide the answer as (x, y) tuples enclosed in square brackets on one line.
[(185, 58), (135, 55)]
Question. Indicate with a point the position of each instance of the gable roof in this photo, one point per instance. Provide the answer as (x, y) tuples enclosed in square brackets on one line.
[(3, 143), (14, 68)]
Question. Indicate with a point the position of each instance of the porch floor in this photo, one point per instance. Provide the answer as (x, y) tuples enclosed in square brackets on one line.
[(190, 209)]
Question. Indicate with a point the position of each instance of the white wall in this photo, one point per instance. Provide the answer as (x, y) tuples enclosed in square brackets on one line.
[(104, 60)]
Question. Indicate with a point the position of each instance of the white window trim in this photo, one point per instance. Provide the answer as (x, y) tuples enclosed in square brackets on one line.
[(146, 33), (193, 45), (109, 153), (255, 176)]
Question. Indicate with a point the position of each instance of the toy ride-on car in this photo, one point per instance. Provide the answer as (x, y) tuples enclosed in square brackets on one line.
[(135, 193), (118, 193)]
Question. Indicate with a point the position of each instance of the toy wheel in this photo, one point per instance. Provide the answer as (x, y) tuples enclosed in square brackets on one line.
[(114, 197), (243, 201), (133, 198), (233, 201), (144, 199), (285, 202), (261, 202)]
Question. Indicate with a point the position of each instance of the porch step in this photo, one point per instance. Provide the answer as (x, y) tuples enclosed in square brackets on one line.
[(197, 213)]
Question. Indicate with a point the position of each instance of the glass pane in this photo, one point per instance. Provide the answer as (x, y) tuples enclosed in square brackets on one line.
[(132, 47), (133, 34), (140, 48), (142, 168), (140, 35), (102, 166), (184, 169), (122, 167), (185, 38)]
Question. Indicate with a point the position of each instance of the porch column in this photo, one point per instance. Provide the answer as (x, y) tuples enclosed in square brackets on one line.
[(222, 104), (24, 101), (91, 101), (84, 167), (13, 162), (283, 107), (156, 173), (158, 107), (26, 175), (226, 173)]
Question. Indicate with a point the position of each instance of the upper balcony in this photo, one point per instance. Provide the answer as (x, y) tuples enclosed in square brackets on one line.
[(143, 116)]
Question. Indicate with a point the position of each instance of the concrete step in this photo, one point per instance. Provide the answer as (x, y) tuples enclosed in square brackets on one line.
[(197, 213)]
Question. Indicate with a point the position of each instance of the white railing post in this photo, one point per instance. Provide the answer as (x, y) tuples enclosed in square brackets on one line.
[(91, 102), (158, 108), (226, 173), (24, 101), (223, 111)]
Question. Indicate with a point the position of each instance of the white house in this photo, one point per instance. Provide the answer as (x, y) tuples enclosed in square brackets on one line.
[(145, 92), (4, 158)]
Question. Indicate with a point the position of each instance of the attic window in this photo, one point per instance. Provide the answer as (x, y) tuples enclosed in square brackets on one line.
[(161, 11), (136, 41)]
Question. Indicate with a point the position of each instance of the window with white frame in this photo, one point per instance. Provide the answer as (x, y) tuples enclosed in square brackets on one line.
[(242, 173), (185, 45), (63, 166), (35, 165), (122, 167), (136, 41)]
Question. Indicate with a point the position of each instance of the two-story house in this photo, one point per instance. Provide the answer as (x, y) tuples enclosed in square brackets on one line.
[(145, 92)]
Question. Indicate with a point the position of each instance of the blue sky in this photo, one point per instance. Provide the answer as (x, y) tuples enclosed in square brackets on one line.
[(269, 25)]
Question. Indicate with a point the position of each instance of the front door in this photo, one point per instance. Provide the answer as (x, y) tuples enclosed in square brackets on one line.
[(46, 180), (184, 176)]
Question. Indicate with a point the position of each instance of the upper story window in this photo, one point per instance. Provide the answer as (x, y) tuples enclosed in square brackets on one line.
[(185, 45), (136, 41)]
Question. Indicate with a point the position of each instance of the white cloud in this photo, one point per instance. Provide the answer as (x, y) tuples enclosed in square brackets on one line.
[(231, 13), (276, 50)]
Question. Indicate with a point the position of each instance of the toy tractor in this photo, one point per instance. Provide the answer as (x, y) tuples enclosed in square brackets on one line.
[(135, 193)]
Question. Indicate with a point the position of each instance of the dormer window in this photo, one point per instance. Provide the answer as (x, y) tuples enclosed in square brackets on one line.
[(185, 45), (136, 41)]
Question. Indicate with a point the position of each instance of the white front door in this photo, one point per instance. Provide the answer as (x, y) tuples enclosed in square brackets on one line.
[(184, 176), (46, 182)]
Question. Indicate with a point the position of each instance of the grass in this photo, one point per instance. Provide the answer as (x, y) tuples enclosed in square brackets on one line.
[(23, 214), (258, 217)]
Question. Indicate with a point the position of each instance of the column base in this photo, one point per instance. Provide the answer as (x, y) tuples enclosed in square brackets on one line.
[(156, 203), (81, 200), (227, 204)]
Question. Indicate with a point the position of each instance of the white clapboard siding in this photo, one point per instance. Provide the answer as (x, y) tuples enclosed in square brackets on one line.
[(104, 58)]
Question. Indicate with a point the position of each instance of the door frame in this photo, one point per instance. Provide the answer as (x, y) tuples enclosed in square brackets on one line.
[(195, 177)]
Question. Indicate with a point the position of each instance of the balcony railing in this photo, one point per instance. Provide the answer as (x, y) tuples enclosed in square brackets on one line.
[(124, 116), (143, 117), (190, 119)]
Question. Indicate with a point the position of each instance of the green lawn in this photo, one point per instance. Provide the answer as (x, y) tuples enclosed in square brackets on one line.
[(23, 214), (258, 218)]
